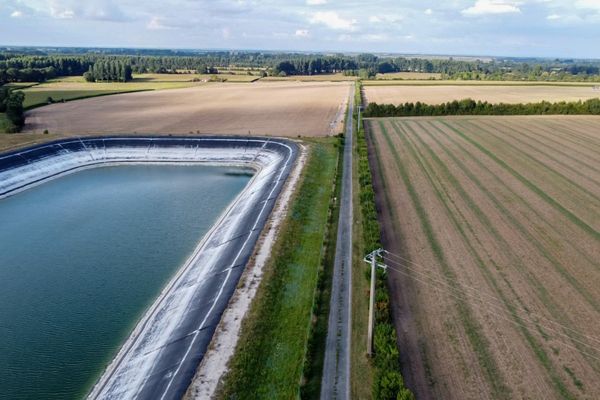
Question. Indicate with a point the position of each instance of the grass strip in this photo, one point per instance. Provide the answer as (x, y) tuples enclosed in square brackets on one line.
[(271, 351), (448, 177), (472, 328), (526, 157), (315, 355), (543, 293), (40, 99), (543, 195), (529, 134)]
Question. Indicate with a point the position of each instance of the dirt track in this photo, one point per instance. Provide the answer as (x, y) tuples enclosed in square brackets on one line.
[(262, 108), (497, 220), (435, 94)]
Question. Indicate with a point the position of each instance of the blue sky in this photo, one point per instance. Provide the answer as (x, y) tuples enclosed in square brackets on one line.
[(552, 28)]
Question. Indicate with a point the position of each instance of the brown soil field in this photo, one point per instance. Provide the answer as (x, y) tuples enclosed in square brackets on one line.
[(339, 77), (261, 108), (437, 93), (493, 224), (409, 76)]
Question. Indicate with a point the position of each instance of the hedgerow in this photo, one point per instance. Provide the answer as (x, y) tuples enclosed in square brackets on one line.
[(472, 107), (388, 383)]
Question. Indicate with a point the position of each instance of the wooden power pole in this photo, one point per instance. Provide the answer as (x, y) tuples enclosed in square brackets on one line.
[(372, 259)]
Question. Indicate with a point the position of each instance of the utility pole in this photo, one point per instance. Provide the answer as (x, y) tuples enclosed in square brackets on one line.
[(372, 259)]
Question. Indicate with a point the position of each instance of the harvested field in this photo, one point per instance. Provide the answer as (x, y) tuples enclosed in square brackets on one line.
[(71, 88), (436, 94), (494, 226), (408, 76), (277, 108), (311, 78)]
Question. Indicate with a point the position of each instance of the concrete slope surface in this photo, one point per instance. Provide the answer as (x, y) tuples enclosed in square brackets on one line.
[(162, 353), (335, 383)]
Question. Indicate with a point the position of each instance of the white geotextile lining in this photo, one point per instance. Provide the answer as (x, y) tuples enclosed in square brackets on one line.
[(137, 356)]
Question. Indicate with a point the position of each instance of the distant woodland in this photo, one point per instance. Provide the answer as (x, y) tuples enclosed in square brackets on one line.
[(31, 65)]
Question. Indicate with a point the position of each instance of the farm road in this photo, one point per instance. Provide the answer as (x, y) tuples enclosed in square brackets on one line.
[(335, 383)]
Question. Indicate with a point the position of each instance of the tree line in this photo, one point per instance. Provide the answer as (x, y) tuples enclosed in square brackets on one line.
[(109, 70), (472, 107), (11, 103), (30, 65)]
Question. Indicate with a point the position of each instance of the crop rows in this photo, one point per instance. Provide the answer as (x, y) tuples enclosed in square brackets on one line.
[(499, 220)]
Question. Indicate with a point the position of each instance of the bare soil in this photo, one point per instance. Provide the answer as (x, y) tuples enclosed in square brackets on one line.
[(261, 108), (439, 93), (497, 293)]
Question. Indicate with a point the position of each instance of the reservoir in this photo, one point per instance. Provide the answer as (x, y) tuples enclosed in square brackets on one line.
[(83, 256)]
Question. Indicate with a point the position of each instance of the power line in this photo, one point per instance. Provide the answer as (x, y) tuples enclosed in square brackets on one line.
[(480, 293), (452, 291)]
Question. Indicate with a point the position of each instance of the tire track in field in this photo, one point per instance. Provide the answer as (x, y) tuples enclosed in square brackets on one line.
[(523, 155), (455, 336), (517, 136), (584, 139), (543, 195), (556, 263), (514, 220), (592, 361), (472, 327), (507, 248), (537, 132), (566, 139), (416, 358), (542, 355), (541, 175), (563, 142), (512, 309), (458, 337)]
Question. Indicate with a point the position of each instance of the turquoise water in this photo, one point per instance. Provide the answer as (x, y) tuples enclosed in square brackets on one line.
[(81, 257)]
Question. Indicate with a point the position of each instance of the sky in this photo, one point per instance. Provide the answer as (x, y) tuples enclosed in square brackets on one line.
[(526, 28)]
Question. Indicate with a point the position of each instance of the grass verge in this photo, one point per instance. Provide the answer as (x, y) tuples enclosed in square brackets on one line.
[(271, 352), (315, 355)]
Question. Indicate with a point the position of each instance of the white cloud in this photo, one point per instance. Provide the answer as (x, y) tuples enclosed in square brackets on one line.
[(486, 7), (100, 10), (302, 33), (158, 24), (388, 19), (16, 14), (332, 20), (553, 17), (316, 2), (429, 11), (226, 33), (588, 4), (61, 13)]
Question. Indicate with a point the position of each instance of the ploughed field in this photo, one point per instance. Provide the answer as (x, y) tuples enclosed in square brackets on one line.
[(495, 227), (261, 108), (436, 93)]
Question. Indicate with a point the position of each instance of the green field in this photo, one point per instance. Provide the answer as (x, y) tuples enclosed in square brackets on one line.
[(270, 357)]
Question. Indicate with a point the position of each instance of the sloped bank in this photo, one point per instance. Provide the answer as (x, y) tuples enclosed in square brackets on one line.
[(161, 355)]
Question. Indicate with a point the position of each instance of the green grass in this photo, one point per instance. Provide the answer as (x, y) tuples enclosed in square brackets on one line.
[(313, 366), (36, 98), (5, 124), (270, 356), (75, 87)]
